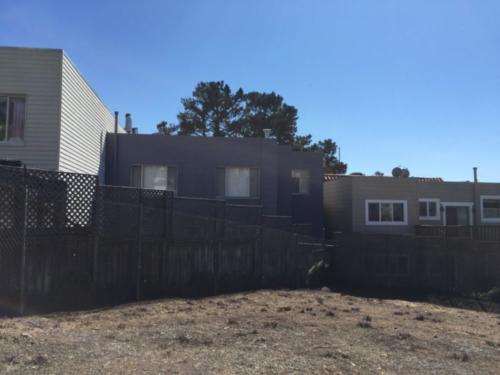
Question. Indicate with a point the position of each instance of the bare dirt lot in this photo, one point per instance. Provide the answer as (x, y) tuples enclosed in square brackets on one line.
[(301, 332)]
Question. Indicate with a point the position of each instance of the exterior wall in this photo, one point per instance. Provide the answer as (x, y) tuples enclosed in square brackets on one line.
[(85, 120), (197, 160), (492, 189), (304, 208), (383, 188), (387, 188), (337, 197), (35, 74)]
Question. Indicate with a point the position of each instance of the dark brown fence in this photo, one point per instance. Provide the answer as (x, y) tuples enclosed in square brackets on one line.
[(490, 233), (437, 263), (66, 242)]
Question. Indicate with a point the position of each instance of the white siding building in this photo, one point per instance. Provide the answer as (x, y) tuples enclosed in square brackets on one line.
[(50, 117)]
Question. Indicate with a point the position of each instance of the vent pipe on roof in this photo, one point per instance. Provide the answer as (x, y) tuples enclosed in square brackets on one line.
[(128, 123), (116, 122), (267, 133), (475, 175)]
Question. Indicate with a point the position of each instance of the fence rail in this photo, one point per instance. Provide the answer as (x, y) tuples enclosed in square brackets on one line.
[(489, 233), (67, 242)]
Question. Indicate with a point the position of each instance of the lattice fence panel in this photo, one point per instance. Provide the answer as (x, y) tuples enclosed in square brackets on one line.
[(12, 195)]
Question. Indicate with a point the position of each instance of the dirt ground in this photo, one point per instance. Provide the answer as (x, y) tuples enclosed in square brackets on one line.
[(288, 332)]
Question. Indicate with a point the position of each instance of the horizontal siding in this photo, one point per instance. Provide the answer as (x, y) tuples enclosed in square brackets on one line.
[(36, 74), (85, 121)]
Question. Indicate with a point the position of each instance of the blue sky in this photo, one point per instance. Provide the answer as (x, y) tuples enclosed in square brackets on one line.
[(415, 83)]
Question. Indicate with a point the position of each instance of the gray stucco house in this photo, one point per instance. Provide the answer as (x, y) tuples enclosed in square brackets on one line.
[(255, 171), (373, 204), (50, 117)]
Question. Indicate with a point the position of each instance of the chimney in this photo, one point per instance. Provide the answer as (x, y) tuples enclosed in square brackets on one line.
[(135, 130), (128, 123), (475, 175), (267, 133)]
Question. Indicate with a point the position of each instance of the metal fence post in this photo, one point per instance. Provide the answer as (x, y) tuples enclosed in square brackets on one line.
[(22, 297), (138, 288)]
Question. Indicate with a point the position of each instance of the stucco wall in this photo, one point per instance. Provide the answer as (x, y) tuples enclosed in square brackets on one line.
[(337, 204), (197, 160), (409, 190)]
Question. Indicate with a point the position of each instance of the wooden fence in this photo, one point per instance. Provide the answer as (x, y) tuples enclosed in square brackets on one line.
[(66, 243), (454, 264), (490, 233)]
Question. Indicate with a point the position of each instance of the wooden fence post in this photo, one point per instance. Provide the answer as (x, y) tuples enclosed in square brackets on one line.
[(259, 251), (138, 288), (219, 229), (22, 297), (165, 238), (97, 225)]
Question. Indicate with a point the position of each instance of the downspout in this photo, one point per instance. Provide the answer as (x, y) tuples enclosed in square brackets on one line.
[(115, 151), (476, 205)]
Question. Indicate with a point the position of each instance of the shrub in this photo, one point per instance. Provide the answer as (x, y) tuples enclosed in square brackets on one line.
[(319, 275)]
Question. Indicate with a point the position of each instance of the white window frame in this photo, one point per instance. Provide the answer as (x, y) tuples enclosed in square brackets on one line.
[(438, 209), (488, 219), (385, 223), (141, 166), (8, 96), (470, 205)]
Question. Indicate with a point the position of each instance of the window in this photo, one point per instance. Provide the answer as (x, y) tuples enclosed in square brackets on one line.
[(301, 178), (386, 212), (12, 118), (429, 209), (490, 208), (238, 182), (158, 177)]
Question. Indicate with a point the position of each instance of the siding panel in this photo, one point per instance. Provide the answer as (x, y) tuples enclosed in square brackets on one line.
[(84, 123), (35, 73)]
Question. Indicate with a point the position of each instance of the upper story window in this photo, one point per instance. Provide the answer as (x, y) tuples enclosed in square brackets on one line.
[(301, 178), (159, 177), (386, 212), (238, 182), (428, 209), (490, 208), (12, 117)]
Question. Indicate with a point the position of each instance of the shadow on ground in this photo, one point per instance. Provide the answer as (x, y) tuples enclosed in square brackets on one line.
[(456, 301)]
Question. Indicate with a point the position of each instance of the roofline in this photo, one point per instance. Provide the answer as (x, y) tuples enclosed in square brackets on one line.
[(33, 48), (332, 177)]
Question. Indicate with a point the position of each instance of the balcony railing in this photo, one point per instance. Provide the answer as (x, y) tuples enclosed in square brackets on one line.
[(489, 233)]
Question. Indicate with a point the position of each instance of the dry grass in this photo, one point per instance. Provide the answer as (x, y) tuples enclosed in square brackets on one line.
[(262, 332)]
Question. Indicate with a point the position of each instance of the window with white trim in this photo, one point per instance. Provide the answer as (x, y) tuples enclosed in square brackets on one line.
[(12, 117), (386, 212), (490, 208), (158, 177), (428, 209)]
